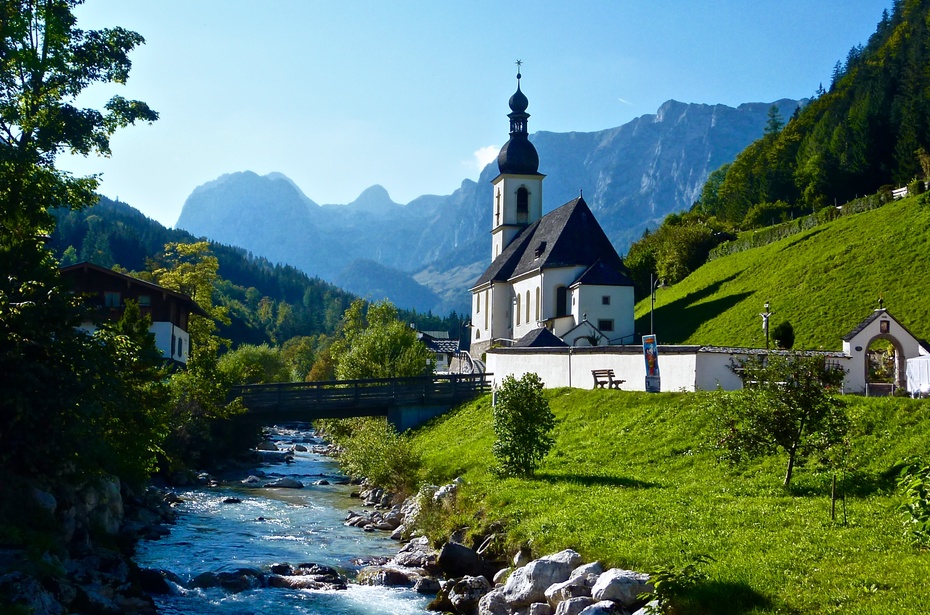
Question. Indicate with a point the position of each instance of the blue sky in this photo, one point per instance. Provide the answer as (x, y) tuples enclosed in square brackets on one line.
[(341, 95)]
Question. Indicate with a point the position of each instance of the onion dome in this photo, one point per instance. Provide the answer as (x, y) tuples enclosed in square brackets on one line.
[(518, 156)]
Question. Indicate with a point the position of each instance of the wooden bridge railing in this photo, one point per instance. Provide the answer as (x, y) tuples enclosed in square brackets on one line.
[(361, 394)]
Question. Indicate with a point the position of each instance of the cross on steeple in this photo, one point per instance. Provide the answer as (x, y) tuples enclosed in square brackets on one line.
[(519, 64)]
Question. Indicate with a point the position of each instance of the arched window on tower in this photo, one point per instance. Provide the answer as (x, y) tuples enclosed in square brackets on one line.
[(561, 301), (523, 205)]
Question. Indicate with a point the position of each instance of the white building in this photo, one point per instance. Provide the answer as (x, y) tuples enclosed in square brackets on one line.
[(557, 271)]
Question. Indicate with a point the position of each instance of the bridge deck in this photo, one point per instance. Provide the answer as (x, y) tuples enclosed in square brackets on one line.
[(360, 397)]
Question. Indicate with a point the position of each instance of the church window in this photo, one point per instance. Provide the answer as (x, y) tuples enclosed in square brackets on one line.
[(605, 300), (523, 204), (487, 310), (517, 308), (561, 301), (527, 307), (605, 325), (478, 303), (537, 303)]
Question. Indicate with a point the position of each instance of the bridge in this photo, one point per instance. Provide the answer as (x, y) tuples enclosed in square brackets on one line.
[(406, 402)]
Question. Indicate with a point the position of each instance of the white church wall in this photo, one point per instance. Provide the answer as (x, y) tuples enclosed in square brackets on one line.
[(501, 298), (619, 309), (530, 313), (572, 367)]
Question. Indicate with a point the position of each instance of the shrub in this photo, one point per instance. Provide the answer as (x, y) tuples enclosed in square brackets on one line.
[(372, 449), (522, 425), (914, 486), (783, 335)]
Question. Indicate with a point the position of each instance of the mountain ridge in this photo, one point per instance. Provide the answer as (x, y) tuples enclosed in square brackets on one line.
[(632, 176)]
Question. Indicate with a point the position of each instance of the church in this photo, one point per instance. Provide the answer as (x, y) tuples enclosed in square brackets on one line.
[(554, 280)]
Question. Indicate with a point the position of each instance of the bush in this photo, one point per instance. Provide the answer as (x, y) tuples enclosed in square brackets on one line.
[(783, 335), (372, 449), (522, 425), (914, 486)]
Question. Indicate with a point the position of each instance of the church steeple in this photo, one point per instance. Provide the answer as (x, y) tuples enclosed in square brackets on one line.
[(518, 156), (518, 188)]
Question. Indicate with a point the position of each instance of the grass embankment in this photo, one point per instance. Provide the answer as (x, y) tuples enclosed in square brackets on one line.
[(824, 281), (633, 482)]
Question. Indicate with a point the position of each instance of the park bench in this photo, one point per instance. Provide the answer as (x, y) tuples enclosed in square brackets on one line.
[(605, 377)]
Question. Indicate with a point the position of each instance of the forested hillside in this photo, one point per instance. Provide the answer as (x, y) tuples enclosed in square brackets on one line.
[(867, 133), (267, 302)]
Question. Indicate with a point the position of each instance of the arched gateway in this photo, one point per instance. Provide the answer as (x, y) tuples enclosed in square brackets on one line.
[(880, 325)]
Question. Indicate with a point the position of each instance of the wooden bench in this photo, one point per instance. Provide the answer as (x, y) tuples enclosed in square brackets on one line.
[(605, 377)]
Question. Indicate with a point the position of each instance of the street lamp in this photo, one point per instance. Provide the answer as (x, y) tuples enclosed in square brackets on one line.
[(653, 285), (765, 322)]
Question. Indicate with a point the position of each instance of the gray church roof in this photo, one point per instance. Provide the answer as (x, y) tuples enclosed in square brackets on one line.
[(565, 237), (539, 338)]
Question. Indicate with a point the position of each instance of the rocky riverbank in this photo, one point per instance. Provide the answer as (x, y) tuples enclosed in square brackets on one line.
[(85, 566), (467, 581)]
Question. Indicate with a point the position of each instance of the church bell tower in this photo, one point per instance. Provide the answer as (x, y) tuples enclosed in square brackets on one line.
[(518, 187)]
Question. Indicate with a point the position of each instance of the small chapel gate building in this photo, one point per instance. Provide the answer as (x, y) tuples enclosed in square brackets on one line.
[(879, 325)]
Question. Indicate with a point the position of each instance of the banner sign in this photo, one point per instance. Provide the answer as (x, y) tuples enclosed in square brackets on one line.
[(651, 354)]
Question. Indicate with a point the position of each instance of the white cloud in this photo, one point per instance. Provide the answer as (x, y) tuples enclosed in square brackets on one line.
[(485, 155)]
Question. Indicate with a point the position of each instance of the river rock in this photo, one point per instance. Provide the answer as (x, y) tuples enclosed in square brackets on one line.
[(528, 584), (493, 603), (21, 589), (574, 587), (574, 606), (265, 445), (622, 586), (595, 568), (154, 581), (467, 591), (501, 575), (300, 448), (604, 607), (427, 585), (389, 577), (540, 608), (251, 480), (457, 560), (285, 482)]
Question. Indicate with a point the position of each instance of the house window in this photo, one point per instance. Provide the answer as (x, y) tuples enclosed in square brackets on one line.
[(145, 301), (561, 301), (111, 299), (523, 204), (605, 300), (605, 325)]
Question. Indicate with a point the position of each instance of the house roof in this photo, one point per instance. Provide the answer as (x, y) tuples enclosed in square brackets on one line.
[(539, 338), (71, 272), (434, 344), (872, 317), (565, 237)]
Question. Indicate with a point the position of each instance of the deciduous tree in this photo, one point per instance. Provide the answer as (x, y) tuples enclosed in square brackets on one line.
[(787, 402)]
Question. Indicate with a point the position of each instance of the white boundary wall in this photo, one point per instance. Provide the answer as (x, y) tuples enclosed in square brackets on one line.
[(682, 368)]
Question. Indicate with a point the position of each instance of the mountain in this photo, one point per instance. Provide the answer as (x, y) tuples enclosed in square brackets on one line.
[(632, 176)]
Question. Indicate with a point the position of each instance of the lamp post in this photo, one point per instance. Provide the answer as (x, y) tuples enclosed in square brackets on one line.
[(653, 285), (765, 322)]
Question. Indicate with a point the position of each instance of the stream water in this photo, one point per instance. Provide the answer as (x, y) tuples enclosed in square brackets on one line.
[(271, 526)]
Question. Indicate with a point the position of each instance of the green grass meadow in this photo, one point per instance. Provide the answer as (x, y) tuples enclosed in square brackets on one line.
[(633, 481), (824, 281)]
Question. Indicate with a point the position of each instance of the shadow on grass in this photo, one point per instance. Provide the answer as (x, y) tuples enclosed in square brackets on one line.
[(589, 480), (721, 598), (681, 318), (853, 484)]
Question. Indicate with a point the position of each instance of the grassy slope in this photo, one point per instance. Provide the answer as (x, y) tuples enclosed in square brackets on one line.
[(631, 481), (824, 281)]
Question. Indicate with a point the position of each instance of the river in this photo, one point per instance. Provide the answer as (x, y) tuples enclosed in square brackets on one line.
[(271, 526)]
